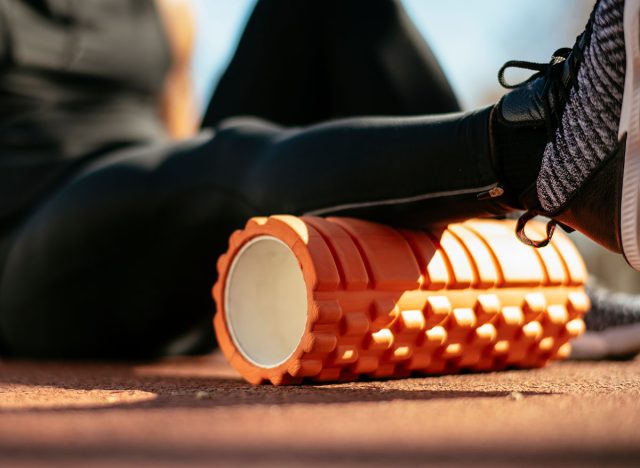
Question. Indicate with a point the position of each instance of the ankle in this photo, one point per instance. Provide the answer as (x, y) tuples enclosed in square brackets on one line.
[(517, 156)]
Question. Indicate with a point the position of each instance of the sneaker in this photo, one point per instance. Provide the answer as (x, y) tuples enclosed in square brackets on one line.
[(613, 326), (581, 112)]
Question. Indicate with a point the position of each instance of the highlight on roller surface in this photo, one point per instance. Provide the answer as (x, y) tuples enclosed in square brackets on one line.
[(337, 298)]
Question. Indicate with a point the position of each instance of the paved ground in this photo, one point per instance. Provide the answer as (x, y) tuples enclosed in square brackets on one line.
[(195, 411)]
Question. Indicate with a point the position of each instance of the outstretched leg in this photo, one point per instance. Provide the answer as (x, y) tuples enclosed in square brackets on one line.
[(120, 261)]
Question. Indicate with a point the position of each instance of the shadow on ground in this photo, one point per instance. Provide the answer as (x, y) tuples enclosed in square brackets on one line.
[(286, 455), (177, 387)]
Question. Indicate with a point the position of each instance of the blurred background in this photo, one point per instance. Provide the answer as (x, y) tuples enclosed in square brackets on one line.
[(471, 39)]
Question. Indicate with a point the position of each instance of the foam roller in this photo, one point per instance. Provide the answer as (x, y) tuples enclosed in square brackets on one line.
[(333, 299)]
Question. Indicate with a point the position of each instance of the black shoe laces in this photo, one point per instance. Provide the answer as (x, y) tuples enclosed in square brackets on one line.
[(555, 94)]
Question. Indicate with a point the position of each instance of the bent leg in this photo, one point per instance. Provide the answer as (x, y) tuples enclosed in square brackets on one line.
[(411, 171), (299, 63)]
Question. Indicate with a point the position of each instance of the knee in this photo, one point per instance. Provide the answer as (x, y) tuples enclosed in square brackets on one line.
[(246, 126)]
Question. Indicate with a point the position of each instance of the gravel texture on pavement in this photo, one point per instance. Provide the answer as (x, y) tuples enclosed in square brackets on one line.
[(195, 411)]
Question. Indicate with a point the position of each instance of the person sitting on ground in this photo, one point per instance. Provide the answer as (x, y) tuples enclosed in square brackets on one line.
[(109, 231)]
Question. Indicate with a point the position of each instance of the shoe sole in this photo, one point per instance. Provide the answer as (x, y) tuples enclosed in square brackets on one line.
[(621, 342), (630, 126), (385, 303)]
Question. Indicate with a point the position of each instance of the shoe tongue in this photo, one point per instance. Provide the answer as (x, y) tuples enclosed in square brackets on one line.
[(524, 105)]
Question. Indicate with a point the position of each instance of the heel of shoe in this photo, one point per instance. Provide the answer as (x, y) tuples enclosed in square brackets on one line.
[(630, 127)]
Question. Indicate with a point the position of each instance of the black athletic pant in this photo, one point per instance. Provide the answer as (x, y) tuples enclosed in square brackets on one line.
[(119, 261), (302, 62)]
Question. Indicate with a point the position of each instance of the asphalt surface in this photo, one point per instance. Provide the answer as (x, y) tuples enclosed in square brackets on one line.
[(197, 412)]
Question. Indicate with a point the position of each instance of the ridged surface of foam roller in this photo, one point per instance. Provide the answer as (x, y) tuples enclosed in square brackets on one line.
[(333, 299)]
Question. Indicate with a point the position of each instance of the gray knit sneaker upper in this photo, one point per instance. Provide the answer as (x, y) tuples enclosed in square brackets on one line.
[(611, 309), (587, 131)]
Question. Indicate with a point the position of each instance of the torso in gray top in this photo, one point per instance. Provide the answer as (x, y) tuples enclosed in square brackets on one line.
[(76, 77)]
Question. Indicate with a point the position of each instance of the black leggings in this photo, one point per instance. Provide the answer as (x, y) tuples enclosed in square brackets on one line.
[(119, 261), (302, 62)]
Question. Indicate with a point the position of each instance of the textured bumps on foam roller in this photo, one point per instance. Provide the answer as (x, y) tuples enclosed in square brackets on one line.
[(381, 302)]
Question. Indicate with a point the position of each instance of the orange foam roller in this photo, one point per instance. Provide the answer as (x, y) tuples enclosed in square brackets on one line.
[(337, 298)]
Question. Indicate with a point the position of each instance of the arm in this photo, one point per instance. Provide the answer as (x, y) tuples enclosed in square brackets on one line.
[(177, 103)]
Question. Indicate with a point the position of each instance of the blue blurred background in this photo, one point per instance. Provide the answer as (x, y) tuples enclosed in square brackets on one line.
[(471, 38)]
